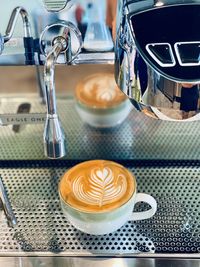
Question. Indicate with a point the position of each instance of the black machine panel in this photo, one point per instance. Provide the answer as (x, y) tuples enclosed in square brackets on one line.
[(168, 33)]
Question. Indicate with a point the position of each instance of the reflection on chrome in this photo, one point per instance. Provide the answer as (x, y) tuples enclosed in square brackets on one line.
[(148, 70), (158, 96)]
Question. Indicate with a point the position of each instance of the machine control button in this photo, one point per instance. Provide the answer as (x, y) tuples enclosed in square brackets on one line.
[(188, 53), (162, 54)]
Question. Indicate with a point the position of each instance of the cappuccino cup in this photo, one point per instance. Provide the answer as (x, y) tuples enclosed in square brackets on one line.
[(98, 197), (100, 103)]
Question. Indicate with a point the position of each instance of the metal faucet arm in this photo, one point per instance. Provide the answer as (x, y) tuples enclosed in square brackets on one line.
[(28, 39), (13, 20)]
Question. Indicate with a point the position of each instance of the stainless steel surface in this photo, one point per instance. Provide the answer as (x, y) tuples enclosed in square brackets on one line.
[(83, 58), (11, 219), (12, 23), (95, 58), (85, 262), (154, 87), (138, 137), (42, 228)]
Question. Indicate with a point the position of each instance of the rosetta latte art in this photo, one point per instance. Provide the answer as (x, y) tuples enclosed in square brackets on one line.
[(105, 90), (105, 95), (104, 187)]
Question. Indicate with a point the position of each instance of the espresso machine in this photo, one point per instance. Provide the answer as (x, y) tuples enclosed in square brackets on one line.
[(155, 61)]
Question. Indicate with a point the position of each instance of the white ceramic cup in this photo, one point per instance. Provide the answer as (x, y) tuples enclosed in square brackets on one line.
[(107, 222), (104, 118), (100, 103)]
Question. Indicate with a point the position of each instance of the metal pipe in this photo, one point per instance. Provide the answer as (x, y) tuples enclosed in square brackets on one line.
[(54, 139), (12, 23), (49, 73), (11, 219)]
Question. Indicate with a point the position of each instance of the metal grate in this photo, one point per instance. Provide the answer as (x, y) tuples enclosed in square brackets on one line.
[(32, 189), (139, 137)]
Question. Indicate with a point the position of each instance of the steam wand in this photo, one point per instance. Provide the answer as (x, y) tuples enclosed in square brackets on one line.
[(54, 138)]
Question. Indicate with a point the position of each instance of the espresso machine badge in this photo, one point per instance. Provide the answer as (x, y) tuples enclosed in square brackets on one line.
[(19, 119)]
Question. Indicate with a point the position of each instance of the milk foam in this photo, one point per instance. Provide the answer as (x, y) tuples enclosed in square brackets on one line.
[(97, 186), (105, 89), (99, 91), (103, 187)]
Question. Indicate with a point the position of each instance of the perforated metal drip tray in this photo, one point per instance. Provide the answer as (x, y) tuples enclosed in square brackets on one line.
[(43, 229)]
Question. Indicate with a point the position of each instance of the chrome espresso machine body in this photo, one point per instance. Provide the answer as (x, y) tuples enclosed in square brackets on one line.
[(157, 51), (157, 65)]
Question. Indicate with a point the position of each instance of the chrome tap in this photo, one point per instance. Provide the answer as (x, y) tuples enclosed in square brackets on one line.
[(5, 205), (54, 138)]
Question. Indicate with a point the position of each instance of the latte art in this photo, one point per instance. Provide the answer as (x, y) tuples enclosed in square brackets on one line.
[(96, 186), (103, 89), (99, 90), (105, 95), (104, 188)]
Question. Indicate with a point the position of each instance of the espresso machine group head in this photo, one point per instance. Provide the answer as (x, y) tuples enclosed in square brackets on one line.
[(157, 62)]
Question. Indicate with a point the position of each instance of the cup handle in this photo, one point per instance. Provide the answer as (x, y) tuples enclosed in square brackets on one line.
[(142, 215)]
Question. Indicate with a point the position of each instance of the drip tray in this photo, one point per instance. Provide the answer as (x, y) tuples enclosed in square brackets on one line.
[(43, 229)]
